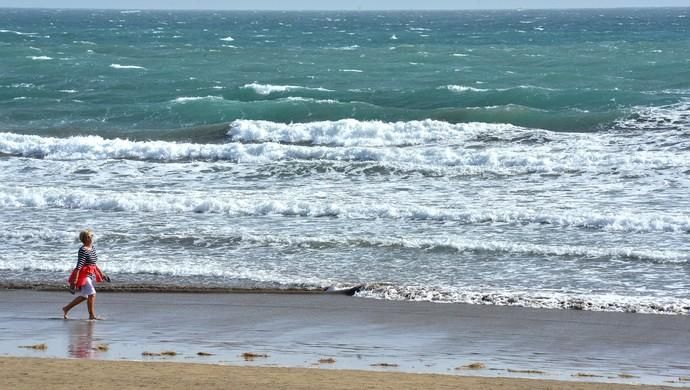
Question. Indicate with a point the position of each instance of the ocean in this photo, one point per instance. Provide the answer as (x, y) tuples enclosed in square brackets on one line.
[(526, 158)]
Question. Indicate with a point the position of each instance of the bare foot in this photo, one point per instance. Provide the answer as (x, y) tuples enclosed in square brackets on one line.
[(64, 314), (95, 318)]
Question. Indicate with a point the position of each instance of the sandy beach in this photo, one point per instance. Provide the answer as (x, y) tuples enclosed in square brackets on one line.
[(31, 373), (502, 186), (298, 341)]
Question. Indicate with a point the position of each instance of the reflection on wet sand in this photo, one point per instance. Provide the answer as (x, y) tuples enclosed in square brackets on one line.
[(81, 339)]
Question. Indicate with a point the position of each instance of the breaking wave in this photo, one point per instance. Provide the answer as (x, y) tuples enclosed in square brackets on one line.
[(203, 203)]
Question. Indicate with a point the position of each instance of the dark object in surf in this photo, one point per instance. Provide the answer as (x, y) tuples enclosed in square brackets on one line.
[(344, 291), (249, 356)]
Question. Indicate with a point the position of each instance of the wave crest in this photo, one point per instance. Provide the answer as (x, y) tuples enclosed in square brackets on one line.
[(144, 202), (352, 132)]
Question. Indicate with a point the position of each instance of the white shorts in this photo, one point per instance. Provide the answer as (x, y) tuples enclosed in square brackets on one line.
[(87, 289)]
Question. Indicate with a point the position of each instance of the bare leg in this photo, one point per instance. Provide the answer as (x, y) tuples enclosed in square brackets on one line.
[(72, 304), (91, 304)]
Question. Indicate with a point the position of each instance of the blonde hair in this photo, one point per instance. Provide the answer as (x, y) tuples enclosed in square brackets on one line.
[(85, 235)]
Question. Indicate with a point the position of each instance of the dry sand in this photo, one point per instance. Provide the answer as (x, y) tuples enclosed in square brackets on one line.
[(37, 373)]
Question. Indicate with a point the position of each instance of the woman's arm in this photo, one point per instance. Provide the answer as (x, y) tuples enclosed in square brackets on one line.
[(81, 260)]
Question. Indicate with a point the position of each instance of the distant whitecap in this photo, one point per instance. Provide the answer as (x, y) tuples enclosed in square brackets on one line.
[(118, 66), (187, 99), (267, 89), (462, 88), (17, 32), (310, 100)]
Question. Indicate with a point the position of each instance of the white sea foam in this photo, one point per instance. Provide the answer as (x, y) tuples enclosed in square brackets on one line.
[(378, 287), (458, 147), (577, 300), (458, 244), (227, 39), (68, 91), (530, 87), (187, 99), (462, 88), (35, 235), (674, 117), (464, 245), (40, 58), (267, 89), (18, 32), (351, 132), (23, 85), (310, 100), (201, 203), (588, 301), (169, 268), (351, 70), (118, 66), (347, 48), (534, 299)]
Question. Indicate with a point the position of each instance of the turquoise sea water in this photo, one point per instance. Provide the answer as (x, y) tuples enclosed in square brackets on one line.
[(535, 158), (114, 72)]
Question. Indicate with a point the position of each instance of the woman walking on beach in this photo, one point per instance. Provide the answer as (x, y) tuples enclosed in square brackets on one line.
[(84, 275)]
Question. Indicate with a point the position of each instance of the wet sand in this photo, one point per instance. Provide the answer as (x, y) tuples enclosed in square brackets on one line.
[(344, 333), (32, 373)]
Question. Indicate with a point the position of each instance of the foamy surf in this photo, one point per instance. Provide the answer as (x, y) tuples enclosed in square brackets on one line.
[(236, 205), (458, 148), (350, 132), (534, 299)]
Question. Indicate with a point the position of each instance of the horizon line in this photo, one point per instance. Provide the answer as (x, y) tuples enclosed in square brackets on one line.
[(348, 10)]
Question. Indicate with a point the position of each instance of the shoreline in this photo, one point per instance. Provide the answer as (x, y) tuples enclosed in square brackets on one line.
[(365, 291), (301, 330), (163, 289)]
